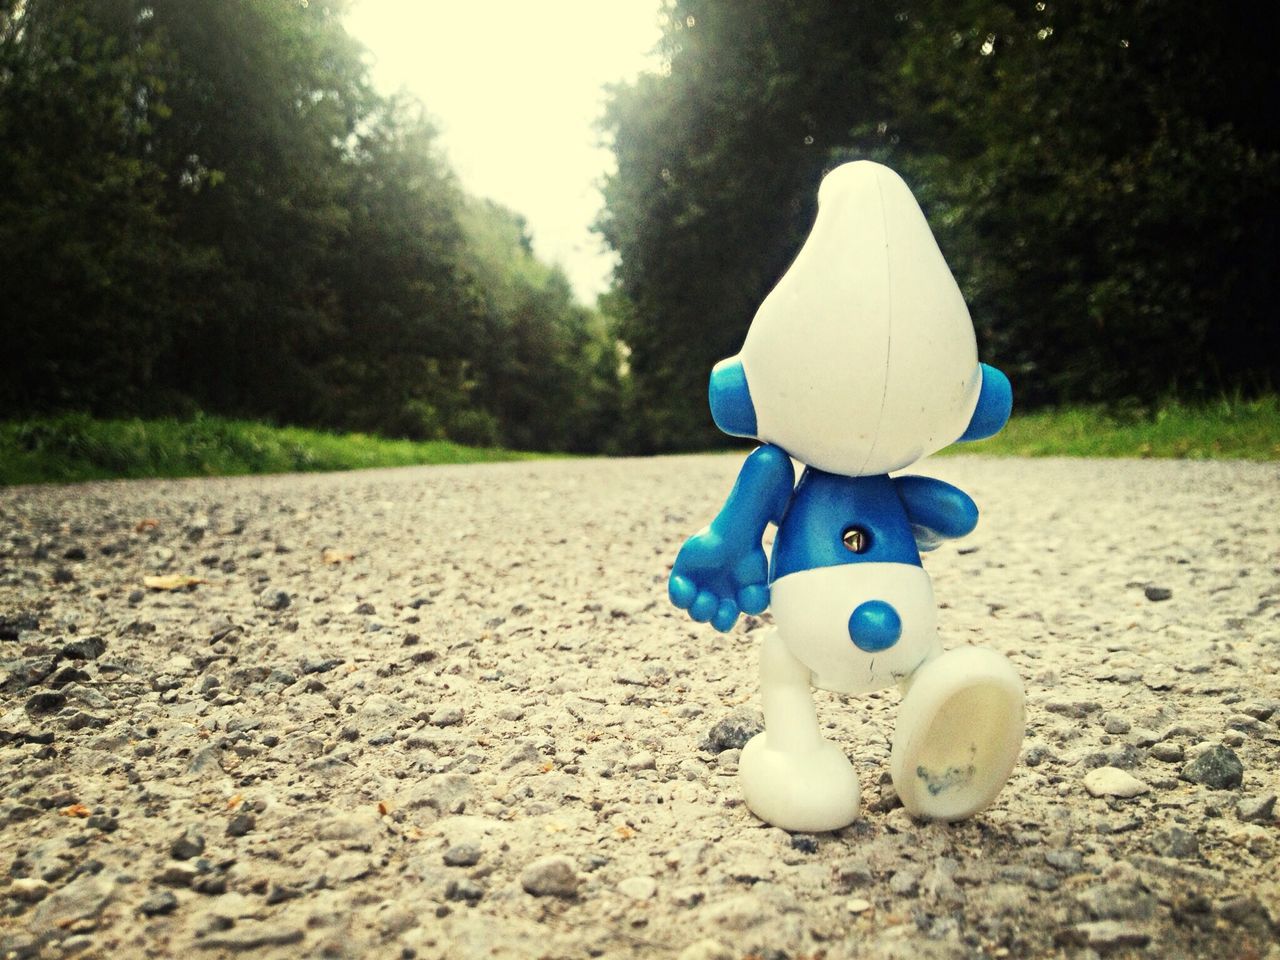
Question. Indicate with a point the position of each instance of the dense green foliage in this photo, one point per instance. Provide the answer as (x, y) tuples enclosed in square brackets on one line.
[(1101, 176), (73, 447), (206, 207)]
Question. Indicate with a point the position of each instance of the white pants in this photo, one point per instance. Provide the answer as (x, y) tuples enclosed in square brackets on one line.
[(812, 608)]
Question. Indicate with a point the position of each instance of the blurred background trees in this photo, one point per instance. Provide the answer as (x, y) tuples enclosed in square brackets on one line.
[(1101, 175), (205, 206)]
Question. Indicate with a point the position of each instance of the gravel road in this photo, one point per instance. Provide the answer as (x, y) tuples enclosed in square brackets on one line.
[(448, 713)]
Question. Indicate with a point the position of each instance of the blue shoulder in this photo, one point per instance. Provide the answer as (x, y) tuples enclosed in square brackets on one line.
[(937, 510)]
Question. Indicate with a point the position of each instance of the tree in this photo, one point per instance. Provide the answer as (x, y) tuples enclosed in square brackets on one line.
[(718, 162), (266, 99), (548, 368), (1102, 178), (87, 251)]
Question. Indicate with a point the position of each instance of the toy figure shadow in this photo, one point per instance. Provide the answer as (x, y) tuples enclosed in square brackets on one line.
[(860, 362)]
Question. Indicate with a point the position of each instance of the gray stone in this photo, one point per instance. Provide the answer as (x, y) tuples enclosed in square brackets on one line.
[(1105, 936), (190, 843), (207, 761), (86, 648), (1113, 782), (274, 599), (904, 883), (28, 889), (448, 717), (1218, 768), (1175, 842), (733, 732), (553, 876), (443, 793), (240, 824), (462, 855), (1157, 594), (1116, 725), (252, 935), (639, 888), (82, 899), (1168, 752), (1074, 709), (1117, 900), (159, 904), (320, 664), (177, 875), (1257, 809)]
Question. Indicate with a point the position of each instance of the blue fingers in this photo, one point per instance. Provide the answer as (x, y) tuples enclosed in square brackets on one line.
[(705, 607), (726, 616), (754, 598), (682, 591)]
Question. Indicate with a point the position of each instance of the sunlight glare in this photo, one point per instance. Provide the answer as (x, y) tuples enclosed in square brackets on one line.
[(516, 89)]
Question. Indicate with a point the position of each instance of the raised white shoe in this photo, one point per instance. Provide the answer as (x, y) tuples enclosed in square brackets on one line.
[(959, 732)]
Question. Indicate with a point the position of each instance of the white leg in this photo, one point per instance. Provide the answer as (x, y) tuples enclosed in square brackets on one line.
[(791, 777), (959, 732)]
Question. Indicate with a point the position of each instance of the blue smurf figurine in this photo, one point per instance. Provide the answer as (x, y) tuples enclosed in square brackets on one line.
[(860, 362)]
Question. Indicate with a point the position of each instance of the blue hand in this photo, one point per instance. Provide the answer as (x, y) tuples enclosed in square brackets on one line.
[(722, 570), (715, 580)]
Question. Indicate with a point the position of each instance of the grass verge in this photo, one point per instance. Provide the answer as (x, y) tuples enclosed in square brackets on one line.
[(1229, 429), (77, 447)]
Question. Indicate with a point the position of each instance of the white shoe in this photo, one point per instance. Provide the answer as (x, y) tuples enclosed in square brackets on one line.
[(805, 792), (959, 732)]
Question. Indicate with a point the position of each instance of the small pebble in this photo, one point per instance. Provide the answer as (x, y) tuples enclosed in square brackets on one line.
[(733, 732), (189, 844), (552, 876), (1113, 782), (462, 855), (1168, 752), (707, 950), (159, 904), (1257, 809), (1218, 768), (1175, 842), (28, 889), (274, 599), (240, 824), (447, 717), (1116, 725), (1157, 594), (639, 888)]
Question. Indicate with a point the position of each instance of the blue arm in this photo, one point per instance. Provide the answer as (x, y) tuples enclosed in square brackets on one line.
[(937, 511), (722, 569)]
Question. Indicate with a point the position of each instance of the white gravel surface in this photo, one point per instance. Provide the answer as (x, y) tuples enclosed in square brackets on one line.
[(474, 727)]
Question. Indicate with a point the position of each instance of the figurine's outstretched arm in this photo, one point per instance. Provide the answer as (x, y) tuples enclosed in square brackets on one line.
[(937, 511), (722, 570)]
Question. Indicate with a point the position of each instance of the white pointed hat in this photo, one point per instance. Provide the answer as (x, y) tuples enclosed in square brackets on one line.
[(862, 360)]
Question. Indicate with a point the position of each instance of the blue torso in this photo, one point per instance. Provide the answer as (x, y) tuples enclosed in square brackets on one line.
[(824, 506)]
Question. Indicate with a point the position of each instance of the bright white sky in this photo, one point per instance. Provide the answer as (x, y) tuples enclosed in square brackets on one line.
[(516, 88)]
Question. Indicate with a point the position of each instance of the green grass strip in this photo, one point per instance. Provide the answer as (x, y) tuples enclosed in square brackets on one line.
[(1230, 429), (76, 447)]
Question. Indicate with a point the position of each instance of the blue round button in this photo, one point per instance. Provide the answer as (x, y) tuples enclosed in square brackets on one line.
[(874, 626)]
